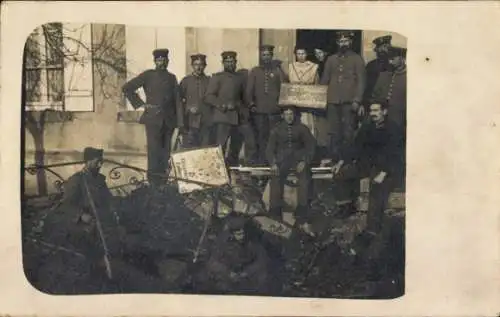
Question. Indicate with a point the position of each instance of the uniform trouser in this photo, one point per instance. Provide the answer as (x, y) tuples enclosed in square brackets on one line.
[(196, 137), (377, 204), (278, 183), (158, 139), (341, 120), (264, 123), (239, 133)]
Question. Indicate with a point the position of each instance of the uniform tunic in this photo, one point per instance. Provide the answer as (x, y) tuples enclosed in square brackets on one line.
[(78, 270), (192, 94), (229, 255), (263, 91), (263, 88), (378, 149), (373, 70), (225, 88), (345, 76), (391, 87), (288, 145), (161, 90), (290, 142)]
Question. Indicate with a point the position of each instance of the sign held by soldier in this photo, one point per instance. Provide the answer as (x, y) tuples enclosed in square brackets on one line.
[(304, 96), (199, 169)]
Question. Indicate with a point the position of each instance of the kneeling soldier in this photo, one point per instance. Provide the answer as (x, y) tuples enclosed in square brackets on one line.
[(290, 149)]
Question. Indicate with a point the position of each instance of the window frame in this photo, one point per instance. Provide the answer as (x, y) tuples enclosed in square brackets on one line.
[(45, 103)]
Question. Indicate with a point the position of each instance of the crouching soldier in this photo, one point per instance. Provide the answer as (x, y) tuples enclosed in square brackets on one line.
[(86, 230), (237, 265), (290, 149)]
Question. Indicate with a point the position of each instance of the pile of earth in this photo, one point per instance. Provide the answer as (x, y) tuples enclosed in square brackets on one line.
[(163, 233)]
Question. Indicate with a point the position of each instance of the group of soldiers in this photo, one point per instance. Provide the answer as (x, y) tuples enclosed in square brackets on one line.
[(365, 120)]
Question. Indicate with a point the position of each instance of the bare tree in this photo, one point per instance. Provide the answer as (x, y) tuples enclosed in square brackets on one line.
[(108, 62)]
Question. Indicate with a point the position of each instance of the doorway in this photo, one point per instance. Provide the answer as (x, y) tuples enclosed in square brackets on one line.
[(316, 38)]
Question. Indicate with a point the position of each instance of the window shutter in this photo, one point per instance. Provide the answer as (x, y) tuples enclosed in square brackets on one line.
[(78, 77)]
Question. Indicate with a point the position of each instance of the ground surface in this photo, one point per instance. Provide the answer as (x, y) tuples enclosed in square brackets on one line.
[(164, 229)]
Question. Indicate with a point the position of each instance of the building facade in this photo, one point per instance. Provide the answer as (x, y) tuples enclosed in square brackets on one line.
[(73, 75)]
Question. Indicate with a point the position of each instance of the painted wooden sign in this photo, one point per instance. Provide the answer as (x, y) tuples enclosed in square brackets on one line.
[(304, 96), (199, 169)]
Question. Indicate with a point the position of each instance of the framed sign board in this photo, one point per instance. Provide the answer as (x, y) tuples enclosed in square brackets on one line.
[(203, 165), (304, 96)]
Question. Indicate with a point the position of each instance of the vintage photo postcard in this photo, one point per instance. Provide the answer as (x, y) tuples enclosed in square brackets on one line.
[(284, 158)]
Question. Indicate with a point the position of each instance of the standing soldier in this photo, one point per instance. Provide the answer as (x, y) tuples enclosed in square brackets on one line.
[(378, 65), (263, 91), (225, 93), (198, 113), (162, 111), (290, 149), (344, 74), (391, 86)]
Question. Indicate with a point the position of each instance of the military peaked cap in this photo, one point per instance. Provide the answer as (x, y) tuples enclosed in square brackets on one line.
[(382, 40), (90, 153), (199, 57), (228, 54), (267, 47), (160, 52), (345, 33)]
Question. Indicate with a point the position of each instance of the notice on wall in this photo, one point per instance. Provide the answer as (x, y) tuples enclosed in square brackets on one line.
[(303, 96), (199, 169)]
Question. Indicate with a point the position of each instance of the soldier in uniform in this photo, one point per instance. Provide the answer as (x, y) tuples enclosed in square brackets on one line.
[(237, 264), (263, 91), (225, 93), (376, 153), (378, 65), (76, 228), (198, 113), (344, 74), (86, 229), (162, 111), (391, 87), (290, 149)]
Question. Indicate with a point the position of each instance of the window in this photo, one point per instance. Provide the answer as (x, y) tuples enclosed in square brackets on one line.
[(58, 68), (44, 68)]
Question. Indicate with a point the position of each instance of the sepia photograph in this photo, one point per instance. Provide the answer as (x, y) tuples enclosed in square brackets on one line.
[(216, 161), (249, 158)]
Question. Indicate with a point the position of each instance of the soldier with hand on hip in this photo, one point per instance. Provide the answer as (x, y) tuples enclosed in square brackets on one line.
[(162, 111)]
